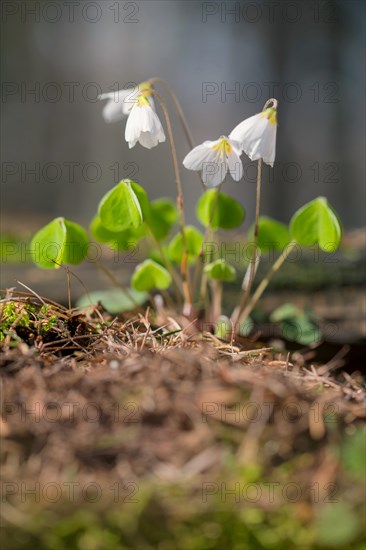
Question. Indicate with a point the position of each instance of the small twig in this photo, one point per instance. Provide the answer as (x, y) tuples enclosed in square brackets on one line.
[(180, 204), (335, 362), (117, 284), (68, 271), (32, 292), (19, 295), (11, 329)]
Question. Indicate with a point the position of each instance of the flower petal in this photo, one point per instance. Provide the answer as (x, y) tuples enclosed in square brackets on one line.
[(143, 125), (130, 100), (214, 173), (235, 165), (200, 154), (257, 137), (133, 126), (113, 110), (269, 145), (209, 158)]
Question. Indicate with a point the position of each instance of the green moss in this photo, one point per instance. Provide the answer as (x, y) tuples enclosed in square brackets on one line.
[(169, 518), (21, 320)]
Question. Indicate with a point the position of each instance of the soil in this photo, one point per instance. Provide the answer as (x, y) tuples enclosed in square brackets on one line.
[(122, 402)]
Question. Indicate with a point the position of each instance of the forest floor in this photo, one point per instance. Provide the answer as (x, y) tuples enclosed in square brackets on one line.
[(125, 433)]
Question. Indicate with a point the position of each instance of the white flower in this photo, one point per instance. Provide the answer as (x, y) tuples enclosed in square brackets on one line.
[(143, 125), (215, 158), (121, 101), (119, 104), (257, 136)]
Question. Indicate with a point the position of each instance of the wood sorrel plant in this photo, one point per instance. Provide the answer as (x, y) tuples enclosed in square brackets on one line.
[(188, 264)]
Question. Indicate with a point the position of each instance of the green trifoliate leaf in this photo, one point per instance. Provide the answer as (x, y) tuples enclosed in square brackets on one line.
[(272, 235), (246, 327), (300, 329), (114, 300), (48, 243), (317, 223), (150, 275), (121, 240), (223, 327), (59, 242), (142, 198), (194, 241), (163, 215), (76, 244), (296, 325), (220, 270), (103, 235), (155, 254), (283, 312), (227, 214), (124, 207)]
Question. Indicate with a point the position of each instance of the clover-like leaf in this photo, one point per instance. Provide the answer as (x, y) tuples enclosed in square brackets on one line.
[(227, 214), (58, 242), (272, 235), (163, 215), (300, 329), (114, 300), (296, 325), (76, 244), (155, 254), (149, 275), (194, 241), (220, 270), (142, 198), (284, 312), (124, 207), (223, 327), (317, 223), (47, 244), (246, 327), (121, 240)]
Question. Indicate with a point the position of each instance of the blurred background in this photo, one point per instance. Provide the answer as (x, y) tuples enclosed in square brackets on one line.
[(223, 59)]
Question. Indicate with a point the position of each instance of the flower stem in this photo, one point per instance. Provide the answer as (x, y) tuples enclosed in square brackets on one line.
[(181, 116), (264, 283), (168, 265), (177, 107), (216, 300), (239, 310), (237, 313), (180, 204), (268, 103), (199, 262)]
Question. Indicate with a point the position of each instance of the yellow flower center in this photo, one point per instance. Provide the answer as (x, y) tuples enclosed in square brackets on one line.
[(223, 147), (145, 90), (270, 114), (142, 101)]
